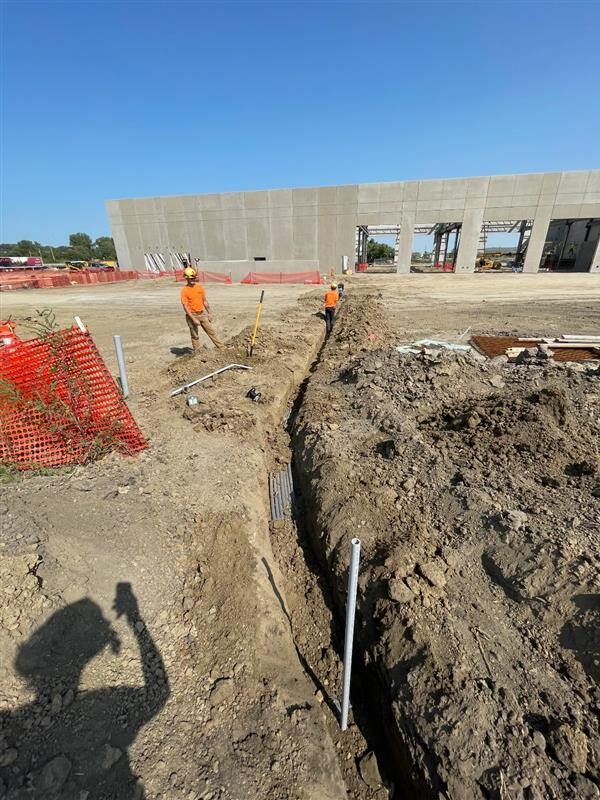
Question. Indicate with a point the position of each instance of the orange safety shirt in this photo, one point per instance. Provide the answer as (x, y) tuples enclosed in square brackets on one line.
[(193, 297), (331, 299)]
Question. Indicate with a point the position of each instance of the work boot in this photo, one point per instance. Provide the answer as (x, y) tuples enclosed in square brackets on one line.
[(196, 346)]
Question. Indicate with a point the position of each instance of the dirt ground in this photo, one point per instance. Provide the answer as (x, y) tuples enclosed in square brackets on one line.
[(160, 638)]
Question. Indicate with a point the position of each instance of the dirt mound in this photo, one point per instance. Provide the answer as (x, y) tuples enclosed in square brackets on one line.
[(476, 494), (361, 324)]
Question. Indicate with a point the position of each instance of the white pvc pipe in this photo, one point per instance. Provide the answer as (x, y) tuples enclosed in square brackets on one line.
[(122, 367), (349, 637), (187, 386)]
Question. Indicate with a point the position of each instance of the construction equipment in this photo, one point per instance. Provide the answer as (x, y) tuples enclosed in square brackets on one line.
[(77, 266), (485, 264)]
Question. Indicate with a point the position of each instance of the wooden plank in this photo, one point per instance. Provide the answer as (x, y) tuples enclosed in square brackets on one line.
[(571, 337), (573, 345)]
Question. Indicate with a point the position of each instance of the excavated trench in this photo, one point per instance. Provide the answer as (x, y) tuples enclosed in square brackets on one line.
[(467, 582), (372, 758)]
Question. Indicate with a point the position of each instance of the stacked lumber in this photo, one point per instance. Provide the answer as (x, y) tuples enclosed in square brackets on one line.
[(568, 341)]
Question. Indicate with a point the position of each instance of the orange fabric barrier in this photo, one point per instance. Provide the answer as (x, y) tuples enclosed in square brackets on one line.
[(48, 279), (61, 405), (206, 277), (255, 278)]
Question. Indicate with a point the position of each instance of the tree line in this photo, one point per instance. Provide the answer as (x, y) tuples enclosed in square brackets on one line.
[(379, 251), (81, 247)]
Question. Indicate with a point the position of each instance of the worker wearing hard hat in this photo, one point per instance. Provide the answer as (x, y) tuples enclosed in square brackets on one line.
[(331, 301), (197, 310)]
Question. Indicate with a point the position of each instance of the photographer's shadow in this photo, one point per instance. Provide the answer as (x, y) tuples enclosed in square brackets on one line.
[(67, 743)]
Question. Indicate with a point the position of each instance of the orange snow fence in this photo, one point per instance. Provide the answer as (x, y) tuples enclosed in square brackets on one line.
[(59, 404), (51, 279), (206, 277), (254, 278)]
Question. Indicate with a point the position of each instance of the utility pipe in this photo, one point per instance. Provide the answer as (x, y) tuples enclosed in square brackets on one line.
[(187, 386), (122, 367), (349, 637)]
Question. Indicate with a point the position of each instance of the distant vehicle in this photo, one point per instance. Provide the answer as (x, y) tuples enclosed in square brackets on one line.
[(21, 262)]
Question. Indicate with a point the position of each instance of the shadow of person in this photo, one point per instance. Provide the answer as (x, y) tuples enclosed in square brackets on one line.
[(582, 633), (72, 744), (181, 351)]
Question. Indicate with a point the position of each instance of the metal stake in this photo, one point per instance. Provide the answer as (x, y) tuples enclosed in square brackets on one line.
[(122, 367), (349, 637)]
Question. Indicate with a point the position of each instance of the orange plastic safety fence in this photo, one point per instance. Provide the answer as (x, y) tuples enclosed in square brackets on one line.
[(59, 404), (206, 277), (312, 277), (50, 279)]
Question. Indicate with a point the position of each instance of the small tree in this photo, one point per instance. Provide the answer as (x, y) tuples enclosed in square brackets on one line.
[(104, 249), (379, 251), (81, 246)]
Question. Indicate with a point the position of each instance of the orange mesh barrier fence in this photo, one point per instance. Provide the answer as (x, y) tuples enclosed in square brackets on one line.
[(206, 277), (59, 404), (254, 278), (51, 279)]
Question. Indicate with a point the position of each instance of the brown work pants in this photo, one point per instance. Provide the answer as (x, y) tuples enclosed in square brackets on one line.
[(201, 320)]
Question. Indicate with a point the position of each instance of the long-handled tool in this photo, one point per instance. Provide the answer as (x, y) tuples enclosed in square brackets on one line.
[(255, 331)]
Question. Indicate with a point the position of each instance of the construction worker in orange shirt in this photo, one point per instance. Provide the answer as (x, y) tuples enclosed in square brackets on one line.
[(331, 301), (197, 310)]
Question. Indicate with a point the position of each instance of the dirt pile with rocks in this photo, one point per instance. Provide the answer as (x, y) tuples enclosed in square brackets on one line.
[(475, 489)]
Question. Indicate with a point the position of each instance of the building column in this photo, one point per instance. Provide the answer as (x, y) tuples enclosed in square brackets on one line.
[(595, 265), (405, 244), (470, 232), (537, 239)]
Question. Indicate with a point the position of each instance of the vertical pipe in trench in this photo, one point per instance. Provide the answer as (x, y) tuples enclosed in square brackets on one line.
[(122, 367), (349, 636)]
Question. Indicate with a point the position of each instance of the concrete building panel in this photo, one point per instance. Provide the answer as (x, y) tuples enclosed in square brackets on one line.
[(573, 182), (234, 237), (477, 187), (258, 237), (233, 200), (593, 184), (502, 186), (326, 197), (308, 225), (469, 240), (214, 240), (405, 243), (346, 195), (304, 197), (282, 238), (254, 200), (368, 193), (391, 192), (280, 198), (327, 234), (528, 185), (430, 191), (305, 238), (550, 182), (537, 239), (208, 202)]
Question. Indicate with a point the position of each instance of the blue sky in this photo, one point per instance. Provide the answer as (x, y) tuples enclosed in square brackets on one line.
[(123, 99)]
